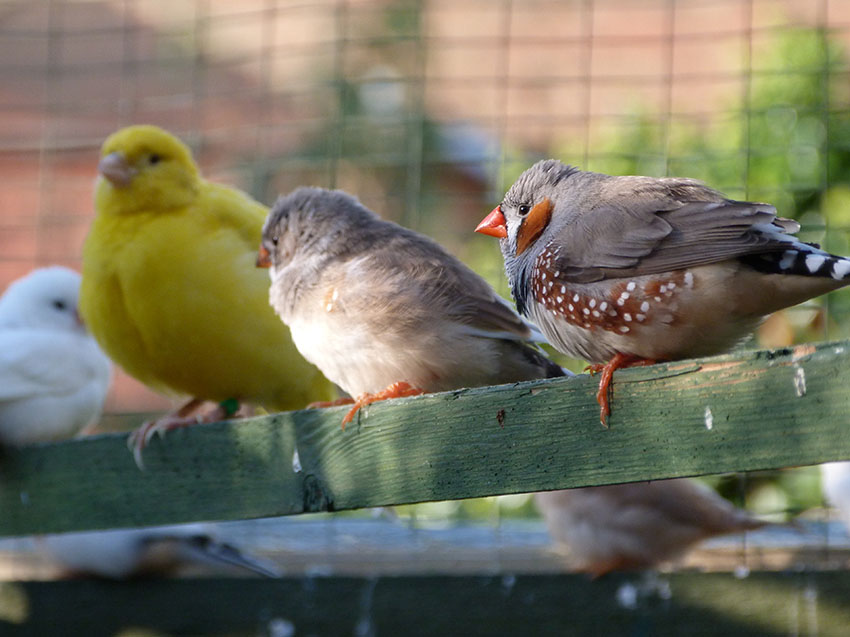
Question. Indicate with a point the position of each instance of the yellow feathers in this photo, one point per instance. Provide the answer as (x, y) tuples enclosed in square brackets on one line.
[(169, 286)]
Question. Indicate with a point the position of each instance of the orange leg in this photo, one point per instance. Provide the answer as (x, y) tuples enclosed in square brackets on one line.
[(183, 417), (620, 361), (396, 390), (321, 404)]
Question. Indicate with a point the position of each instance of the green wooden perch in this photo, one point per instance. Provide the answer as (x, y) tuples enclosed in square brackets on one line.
[(746, 411)]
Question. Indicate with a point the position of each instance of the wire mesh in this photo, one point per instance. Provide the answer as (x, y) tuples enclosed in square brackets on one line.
[(427, 110)]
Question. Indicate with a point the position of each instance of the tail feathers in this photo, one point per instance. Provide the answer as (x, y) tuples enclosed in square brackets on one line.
[(801, 259)]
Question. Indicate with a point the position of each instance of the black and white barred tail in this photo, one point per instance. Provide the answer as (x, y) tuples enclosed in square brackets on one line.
[(802, 259)]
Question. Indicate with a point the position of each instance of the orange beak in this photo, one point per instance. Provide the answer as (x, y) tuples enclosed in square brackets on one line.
[(494, 224), (264, 259)]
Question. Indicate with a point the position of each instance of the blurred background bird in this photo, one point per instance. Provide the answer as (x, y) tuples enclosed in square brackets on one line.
[(170, 290), (149, 552), (53, 376), (636, 526), (384, 311)]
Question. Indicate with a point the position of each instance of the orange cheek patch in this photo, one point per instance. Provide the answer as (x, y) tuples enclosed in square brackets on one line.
[(533, 225)]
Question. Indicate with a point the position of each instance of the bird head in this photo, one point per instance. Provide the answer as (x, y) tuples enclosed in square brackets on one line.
[(45, 298), (145, 167), (524, 217), (312, 223)]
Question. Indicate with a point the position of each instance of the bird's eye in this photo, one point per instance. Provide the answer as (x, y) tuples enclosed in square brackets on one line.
[(59, 305), (154, 159), (524, 210), (275, 239)]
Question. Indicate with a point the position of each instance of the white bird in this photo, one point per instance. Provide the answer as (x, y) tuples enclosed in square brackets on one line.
[(835, 485), (53, 375), (159, 550)]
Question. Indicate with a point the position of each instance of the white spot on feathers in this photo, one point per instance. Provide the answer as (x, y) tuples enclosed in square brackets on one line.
[(631, 287), (787, 259), (709, 418), (814, 262), (644, 307), (840, 269)]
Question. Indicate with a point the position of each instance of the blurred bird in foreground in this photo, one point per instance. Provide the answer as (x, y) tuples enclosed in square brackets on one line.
[(147, 552), (53, 376), (384, 311), (170, 290), (638, 525)]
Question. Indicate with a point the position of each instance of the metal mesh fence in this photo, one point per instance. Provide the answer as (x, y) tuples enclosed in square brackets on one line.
[(428, 110)]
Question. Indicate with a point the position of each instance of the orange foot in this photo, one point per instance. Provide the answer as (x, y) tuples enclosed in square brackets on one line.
[(183, 417), (620, 361), (321, 404), (396, 390)]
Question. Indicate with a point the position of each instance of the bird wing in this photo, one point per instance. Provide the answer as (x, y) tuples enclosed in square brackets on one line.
[(38, 362), (452, 289), (652, 230)]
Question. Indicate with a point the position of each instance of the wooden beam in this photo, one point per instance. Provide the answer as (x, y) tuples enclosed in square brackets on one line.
[(748, 411), (679, 604)]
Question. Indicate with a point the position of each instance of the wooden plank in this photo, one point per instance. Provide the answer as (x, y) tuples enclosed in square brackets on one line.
[(749, 411), (678, 604)]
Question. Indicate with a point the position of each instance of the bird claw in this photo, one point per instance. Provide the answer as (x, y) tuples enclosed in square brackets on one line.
[(400, 389), (141, 437), (322, 404), (619, 361)]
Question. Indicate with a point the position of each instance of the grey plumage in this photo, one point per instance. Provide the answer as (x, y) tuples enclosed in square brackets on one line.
[(371, 303), (601, 233)]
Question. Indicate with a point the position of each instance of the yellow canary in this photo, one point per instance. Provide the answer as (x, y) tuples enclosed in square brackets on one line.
[(170, 289)]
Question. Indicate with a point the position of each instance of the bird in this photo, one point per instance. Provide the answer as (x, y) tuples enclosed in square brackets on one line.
[(384, 311), (53, 376), (170, 290), (629, 270), (119, 554), (835, 486), (639, 525)]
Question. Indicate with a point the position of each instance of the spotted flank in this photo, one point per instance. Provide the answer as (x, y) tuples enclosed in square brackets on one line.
[(625, 305), (801, 259)]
